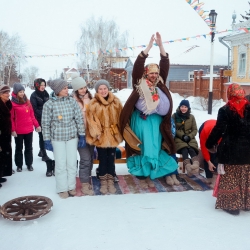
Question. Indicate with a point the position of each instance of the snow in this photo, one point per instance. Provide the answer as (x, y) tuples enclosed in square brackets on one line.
[(160, 221)]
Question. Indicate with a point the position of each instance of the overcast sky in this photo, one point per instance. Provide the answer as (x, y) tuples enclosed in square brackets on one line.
[(53, 27)]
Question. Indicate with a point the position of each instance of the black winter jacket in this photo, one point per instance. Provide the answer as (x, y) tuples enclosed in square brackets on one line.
[(234, 148), (37, 99), (5, 139)]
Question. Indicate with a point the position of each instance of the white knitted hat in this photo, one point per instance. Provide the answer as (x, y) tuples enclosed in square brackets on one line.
[(77, 82)]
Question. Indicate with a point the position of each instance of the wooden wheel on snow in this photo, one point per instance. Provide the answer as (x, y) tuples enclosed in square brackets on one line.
[(26, 208)]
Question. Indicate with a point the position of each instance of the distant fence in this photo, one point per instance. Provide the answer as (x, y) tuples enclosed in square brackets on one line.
[(200, 86)]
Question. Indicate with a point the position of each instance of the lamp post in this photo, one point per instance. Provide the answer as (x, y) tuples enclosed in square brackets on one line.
[(212, 17)]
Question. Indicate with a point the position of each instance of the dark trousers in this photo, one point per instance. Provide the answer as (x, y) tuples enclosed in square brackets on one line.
[(28, 151), (106, 157), (41, 141), (188, 151), (214, 160)]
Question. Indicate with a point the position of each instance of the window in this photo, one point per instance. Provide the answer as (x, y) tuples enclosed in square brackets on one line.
[(191, 75), (242, 64)]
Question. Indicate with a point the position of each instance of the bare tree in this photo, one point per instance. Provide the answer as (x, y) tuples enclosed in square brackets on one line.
[(203, 102), (12, 55), (29, 75), (98, 36)]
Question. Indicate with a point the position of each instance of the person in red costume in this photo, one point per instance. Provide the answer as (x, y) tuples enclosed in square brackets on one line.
[(210, 159)]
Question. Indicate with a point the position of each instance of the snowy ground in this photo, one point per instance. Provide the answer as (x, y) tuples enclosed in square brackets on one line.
[(183, 220)]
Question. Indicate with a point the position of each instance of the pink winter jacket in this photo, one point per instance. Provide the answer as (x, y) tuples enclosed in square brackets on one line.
[(22, 118)]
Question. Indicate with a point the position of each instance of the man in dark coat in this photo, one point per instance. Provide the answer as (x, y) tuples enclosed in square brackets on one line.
[(37, 99), (5, 133)]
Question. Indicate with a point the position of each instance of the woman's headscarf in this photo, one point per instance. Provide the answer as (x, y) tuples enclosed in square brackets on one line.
[(236, 98)]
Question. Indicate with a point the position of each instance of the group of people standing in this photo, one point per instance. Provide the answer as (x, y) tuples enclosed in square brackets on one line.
[(79, 122)]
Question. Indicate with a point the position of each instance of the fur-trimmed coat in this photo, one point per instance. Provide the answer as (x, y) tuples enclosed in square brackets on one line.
[(5, 139), (165, 126), (103, 119)]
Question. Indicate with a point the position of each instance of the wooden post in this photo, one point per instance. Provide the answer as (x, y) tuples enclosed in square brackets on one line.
[(200, 74), (221, 82), (195, 82)]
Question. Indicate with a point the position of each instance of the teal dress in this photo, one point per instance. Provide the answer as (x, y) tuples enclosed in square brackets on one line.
[(153, 161)]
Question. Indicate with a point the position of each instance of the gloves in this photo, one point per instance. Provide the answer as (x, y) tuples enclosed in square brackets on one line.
[(14, 134), (48, 145), (38, 129), (186, 138), (81, 142)]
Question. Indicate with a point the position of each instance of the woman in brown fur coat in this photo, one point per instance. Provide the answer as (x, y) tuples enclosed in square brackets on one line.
[(102, 117)]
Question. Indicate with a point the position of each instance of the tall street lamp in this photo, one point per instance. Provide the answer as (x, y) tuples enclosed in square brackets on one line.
[(212, 17)]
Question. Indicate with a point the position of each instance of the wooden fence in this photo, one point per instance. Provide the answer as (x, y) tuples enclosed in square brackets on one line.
[(200, 86)]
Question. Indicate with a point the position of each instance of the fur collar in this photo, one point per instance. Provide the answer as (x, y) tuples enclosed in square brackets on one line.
[(100, 99)]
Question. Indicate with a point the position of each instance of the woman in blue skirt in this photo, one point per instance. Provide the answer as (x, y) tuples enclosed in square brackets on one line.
[(146, 117)]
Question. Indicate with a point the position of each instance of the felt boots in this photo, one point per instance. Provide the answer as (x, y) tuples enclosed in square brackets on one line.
[(187, 166), (111, 187), (195, 165), (104, 184), (87, 189)]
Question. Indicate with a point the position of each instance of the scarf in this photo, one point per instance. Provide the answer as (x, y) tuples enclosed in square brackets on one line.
[(236, 99), (42, 94), (15, 99), (148, 92)]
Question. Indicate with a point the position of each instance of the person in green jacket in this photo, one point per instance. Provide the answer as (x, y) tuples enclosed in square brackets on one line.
[(185, 142)]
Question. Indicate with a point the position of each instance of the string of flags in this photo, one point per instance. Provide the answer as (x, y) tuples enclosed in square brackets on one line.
[(198, 8), (112, 50), (193, 47)]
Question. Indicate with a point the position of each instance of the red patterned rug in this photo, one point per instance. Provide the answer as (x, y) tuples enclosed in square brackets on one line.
[(129, 184)]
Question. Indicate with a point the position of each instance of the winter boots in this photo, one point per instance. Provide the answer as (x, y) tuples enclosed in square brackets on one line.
[(98, 175), (87, 189), (42, 153), (149, 182), (104, 184), (30, 168), (195, 165), (111, 187), (172, 180), (143, 184), (176, 182), (64, 195), (169, 180), (50, 168), (187, 166), (72, 192)]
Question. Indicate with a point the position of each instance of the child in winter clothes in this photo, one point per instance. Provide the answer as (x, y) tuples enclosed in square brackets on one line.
[(186, 130), (83, 97), (37, 99), (102, 117), (23, 122), (62, 124)]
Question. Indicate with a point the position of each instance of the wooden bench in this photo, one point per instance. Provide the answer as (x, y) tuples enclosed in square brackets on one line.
[(124, 160)]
